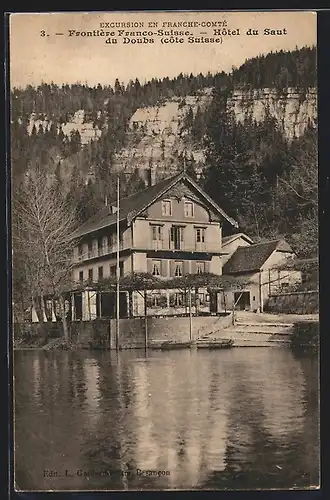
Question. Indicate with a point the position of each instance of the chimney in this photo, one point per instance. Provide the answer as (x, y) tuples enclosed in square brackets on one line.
[(151, 176)]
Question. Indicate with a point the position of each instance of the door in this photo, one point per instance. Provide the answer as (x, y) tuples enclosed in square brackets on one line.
[(242, 301), (108, 304), (214, 302), (78, 306)]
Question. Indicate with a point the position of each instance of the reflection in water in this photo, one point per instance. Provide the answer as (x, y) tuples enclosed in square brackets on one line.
[(92, 392), (232, 419)]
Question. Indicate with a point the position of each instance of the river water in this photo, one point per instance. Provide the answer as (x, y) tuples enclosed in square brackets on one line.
[(244, 418)]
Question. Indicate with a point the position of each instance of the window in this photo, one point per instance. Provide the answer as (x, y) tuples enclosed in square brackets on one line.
[(166, 207), (202, 299), (200, 235), (113, 269), (176, 237), (90, 249), (177, 300), (100, 272), (112, 241), (188, 209), (105, 246), (81, 276), (157, 300), (90, 274), (156, 233), (178, 269), (80, 252), (99, 246), (200, 267), (156, 267)]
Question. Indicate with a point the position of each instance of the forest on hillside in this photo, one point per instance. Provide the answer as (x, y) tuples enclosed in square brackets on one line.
[(266, 182)]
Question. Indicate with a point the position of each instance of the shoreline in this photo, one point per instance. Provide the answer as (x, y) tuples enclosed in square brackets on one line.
[(249, 330)]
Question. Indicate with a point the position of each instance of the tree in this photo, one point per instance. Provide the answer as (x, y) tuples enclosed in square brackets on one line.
[(298, 193), (198, 125), (225, 177), (43, 235)]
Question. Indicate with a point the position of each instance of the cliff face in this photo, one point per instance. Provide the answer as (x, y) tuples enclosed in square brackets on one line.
[(292, 110), (157, 136), (87, 130)]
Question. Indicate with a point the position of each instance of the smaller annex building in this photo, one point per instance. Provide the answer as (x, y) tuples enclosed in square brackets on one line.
[(262, 265)]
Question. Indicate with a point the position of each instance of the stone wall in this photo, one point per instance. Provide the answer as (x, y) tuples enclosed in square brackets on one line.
[(175, 329), (36, 333), (305, 302), (101, 334), (94, 334)]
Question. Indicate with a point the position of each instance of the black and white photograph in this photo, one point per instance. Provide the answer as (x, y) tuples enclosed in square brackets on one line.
[(165, 260)]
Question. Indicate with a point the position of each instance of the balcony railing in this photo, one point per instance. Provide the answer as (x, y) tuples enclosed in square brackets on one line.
[(157, 244), (152, 245), (98, 252), (183, 246)]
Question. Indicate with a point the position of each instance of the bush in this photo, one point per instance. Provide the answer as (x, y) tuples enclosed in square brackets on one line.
[(305, 334)]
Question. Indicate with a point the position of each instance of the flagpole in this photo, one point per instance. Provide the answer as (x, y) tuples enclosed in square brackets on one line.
[(117, 269)]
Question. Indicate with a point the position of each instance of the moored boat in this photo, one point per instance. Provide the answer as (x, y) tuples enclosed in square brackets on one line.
[(175, 345), (215, 344)]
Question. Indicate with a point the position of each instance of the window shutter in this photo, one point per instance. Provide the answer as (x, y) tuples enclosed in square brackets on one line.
[(163, 267), (149, 266), (186, 267), (207, 266)]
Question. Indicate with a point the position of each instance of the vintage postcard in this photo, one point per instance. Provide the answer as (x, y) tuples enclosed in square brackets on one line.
[(164, 220)]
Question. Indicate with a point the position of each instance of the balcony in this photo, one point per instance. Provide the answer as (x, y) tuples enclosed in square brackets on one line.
[(157, 244), (183, 246), (98, 252), (201, 246)]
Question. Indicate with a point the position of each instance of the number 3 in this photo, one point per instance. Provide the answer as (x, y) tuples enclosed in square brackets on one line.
[(42, 33)]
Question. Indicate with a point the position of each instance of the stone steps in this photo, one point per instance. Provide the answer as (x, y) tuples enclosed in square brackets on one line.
[(262, 324), (260, 343), (260, 329), (230, 331)]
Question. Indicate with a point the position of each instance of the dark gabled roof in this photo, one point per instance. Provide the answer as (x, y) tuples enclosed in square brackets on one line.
[(132, 205), (228, 239), (253, 257)]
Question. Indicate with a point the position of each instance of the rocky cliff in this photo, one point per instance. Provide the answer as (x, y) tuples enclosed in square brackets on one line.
[(158, 136), (292, 109)]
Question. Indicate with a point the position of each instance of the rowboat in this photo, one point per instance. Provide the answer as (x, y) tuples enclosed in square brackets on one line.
[(169, 345), (215, 344)]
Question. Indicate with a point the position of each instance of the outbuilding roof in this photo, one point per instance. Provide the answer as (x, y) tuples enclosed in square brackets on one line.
[(229, 239), (252, 257)]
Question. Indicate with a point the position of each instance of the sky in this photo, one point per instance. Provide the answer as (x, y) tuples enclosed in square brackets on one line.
[(61, 59)]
